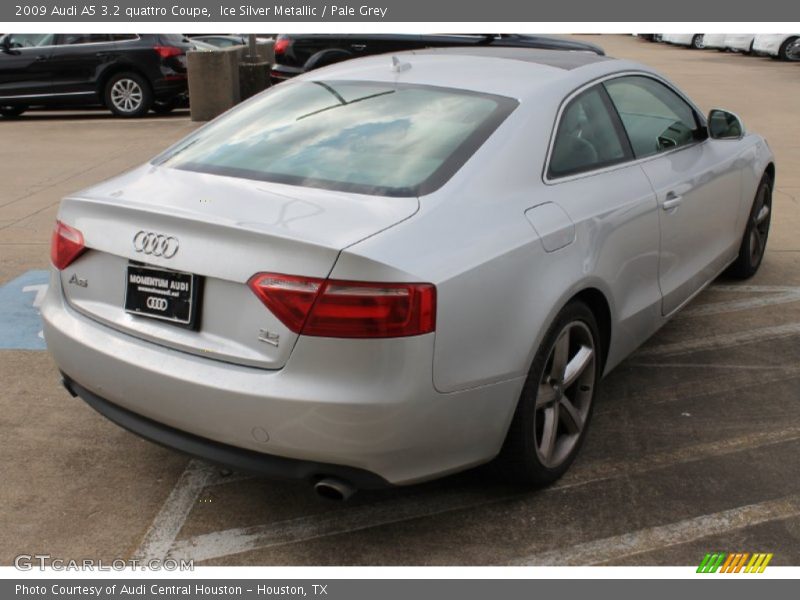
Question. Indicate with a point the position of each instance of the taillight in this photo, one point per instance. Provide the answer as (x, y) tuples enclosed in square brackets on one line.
[(65, 246), (167, 51), (282, 44), (347, 309)]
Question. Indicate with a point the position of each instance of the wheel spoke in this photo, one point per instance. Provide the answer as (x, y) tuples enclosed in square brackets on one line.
[(577, 365), (545, 395), (560, 356), (570, 416), (756, 243), (549, 432), (762, 214)]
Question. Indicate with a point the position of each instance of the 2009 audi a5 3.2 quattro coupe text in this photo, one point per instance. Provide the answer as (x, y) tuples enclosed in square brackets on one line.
[(390, 269)]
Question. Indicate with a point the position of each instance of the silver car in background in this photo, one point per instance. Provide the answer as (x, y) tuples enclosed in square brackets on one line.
[(392, 269)]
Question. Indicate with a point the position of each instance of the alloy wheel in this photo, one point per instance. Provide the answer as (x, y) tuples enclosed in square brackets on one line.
[(127, 95), (564, 394), (759, 227)]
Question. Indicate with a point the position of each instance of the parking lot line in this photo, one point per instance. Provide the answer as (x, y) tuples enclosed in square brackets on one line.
[(234, 541), (169, 520), (769, 296), (724, 340), (160, 541), (721, 383), (680, 532)]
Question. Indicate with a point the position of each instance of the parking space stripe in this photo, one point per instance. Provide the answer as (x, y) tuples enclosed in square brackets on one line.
[(168, 522), (234, 541), (716, 308), (688, 389), (663, 536), (725, 340)]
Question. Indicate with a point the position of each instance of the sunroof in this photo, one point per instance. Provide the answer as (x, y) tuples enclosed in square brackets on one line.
[(560, 59)]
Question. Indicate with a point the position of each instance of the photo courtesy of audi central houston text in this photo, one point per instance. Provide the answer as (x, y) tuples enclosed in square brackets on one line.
[(306, 289)]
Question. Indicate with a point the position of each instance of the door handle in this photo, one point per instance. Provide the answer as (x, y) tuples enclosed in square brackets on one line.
[(41, 57), (672, 200), (358, 47)]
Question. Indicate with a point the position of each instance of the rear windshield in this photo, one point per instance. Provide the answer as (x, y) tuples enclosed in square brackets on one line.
[(374, 138)]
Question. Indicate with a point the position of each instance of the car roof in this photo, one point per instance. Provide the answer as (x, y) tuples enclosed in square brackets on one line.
[(506, 71)]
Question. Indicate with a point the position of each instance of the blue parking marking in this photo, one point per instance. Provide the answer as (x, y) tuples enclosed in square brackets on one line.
[(20, 320)]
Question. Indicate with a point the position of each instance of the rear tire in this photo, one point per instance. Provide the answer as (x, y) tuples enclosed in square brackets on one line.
[(554, 409), (697, 41), (11, 112), (783, 51), (754, 241), (128, 95)]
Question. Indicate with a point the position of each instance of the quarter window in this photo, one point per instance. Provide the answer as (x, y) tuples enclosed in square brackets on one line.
[(656, 119), (588, 136)]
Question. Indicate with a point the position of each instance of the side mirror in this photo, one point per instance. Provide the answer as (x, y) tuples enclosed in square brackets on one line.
[(5, 43), (724, 125)]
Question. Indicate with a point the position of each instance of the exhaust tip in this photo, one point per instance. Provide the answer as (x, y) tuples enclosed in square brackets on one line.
[(334, 489)]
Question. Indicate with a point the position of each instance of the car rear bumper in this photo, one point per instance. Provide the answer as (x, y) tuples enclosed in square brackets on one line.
[(170, 87), (769, 46), (366, 405), (280, 73), (237, 458)]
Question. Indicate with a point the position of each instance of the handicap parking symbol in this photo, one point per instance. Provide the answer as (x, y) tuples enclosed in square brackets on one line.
[(20, 320)]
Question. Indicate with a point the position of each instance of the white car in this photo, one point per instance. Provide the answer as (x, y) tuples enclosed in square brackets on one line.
[(775, 44), (693, 40), (715, 41), (739, 42)]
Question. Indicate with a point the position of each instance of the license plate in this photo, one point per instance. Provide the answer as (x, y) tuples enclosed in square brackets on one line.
[(162, 294)]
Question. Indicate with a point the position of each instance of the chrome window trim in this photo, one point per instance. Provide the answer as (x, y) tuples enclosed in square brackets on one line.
[(624, 163), (136, 39)]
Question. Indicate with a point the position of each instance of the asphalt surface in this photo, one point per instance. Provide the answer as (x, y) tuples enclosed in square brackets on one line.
[(694, 446)]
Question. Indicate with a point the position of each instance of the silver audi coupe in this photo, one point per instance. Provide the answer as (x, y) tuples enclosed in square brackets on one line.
[(399, 267)]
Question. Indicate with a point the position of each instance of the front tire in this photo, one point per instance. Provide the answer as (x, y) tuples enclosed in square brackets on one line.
[(553, 412), (128, 95), (754, 241), (697, 41)]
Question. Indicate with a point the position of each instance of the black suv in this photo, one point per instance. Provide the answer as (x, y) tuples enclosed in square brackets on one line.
[(296, 54), (128, 73)]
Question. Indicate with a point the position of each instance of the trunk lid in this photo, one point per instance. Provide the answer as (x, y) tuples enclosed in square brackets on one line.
[(226, 230)]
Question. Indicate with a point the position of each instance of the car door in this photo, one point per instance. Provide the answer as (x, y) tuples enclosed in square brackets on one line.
[(697, 184), (78, 59), (25, 68), (609, 208)]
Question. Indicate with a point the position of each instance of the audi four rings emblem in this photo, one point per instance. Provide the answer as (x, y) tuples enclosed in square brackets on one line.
[(156, 303), (155, 244)]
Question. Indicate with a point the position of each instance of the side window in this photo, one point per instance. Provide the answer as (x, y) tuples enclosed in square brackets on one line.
[(30, 40), (655, 118), (587, 137), (71, 39)]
